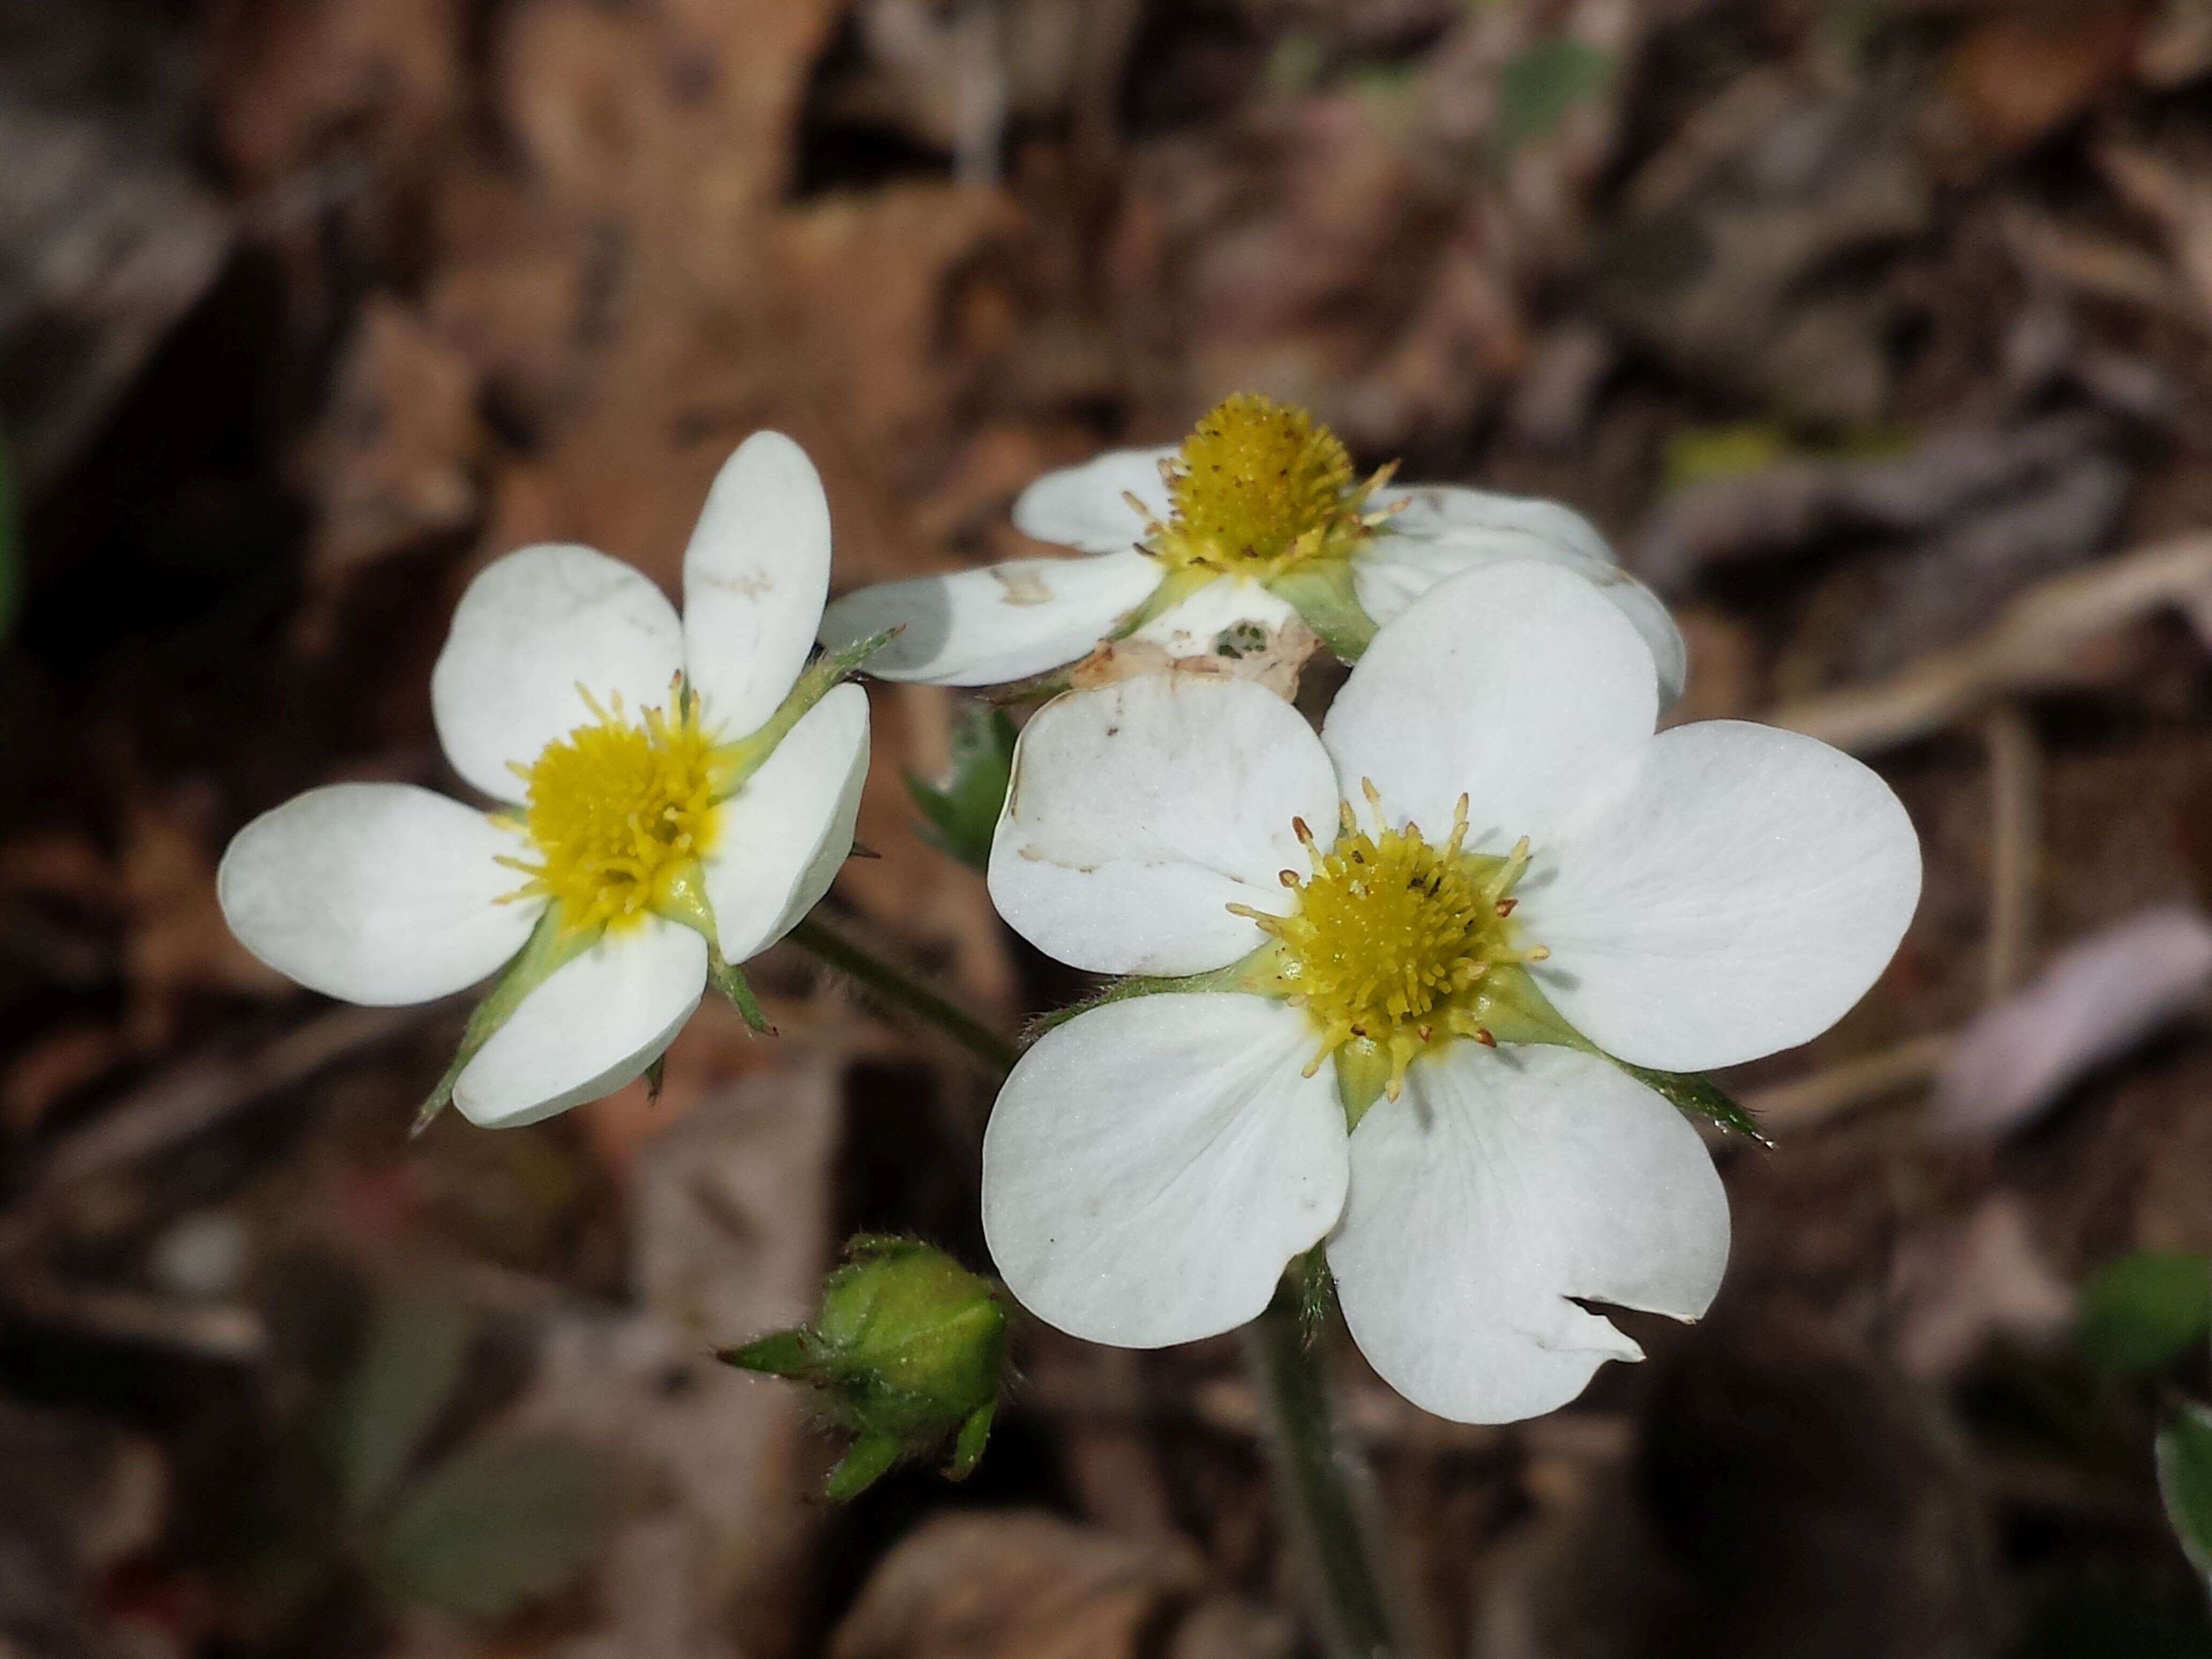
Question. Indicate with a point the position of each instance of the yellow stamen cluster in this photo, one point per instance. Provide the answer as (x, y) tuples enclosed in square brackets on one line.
[(1258, 488), (619, 813), (1395, 939)]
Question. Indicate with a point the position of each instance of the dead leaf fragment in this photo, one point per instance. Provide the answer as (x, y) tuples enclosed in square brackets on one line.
[(730, 1215), (1957, 1285), (1027, 1585), (177, 940), (394, 460), (2177, 199), (2095, 1002), (2025, 70)]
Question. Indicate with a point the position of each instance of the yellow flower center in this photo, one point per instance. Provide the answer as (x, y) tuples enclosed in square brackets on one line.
[(619, 813), (1258, 488), (1395, 939)]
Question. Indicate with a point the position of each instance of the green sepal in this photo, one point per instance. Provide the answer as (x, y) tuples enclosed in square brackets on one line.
[(1235, 977), (682, 898), (729, 980), (968, 1448), (550, 947), (1322, 591), (738, 759), (779, 1353), (1362, 1073), (869, 1462), (1174, 588), (1697, 1095)]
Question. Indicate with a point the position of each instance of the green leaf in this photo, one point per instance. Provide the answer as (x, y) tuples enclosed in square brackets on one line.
[(1540, 87), (500, 1524), (963, 810), (1700, 1096), (408, 1370), (2143, 1311), (2184, 1483)]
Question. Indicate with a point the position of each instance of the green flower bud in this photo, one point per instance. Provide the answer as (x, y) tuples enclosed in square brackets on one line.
[(909, 1350)]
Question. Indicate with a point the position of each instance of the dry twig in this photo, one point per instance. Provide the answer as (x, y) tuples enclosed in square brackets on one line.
[(2015, 781), (2036, 642)]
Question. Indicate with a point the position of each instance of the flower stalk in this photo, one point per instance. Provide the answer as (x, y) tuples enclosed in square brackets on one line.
[(902, 991), (1323, 1491)]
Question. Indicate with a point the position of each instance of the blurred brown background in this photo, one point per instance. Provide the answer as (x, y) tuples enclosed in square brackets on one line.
[(1877, 333)]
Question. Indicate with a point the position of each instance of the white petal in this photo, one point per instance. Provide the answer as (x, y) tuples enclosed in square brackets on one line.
[(1537, 528), (1518, 685), (1151, 1166), (1004, 622), (1190, 629), (754, 579), (593, 1025), (779, 840), (379, 893), (1443, 531), (1139, 810), (1495, 1188), (1738, 901), (536, 630), (1087, 505)]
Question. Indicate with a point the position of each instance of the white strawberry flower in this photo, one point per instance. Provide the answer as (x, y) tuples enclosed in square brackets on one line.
[(1255, 519), (675, 794), (1425, 952)]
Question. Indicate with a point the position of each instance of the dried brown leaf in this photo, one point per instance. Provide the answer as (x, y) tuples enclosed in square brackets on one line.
[(2096, 1001), (1028, 1585)]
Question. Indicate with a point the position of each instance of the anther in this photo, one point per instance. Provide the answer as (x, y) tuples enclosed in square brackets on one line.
[(1299, 829), (1482, 1035), (1506, 906)]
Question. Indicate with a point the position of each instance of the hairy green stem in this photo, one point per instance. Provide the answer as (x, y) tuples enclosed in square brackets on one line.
[(901, 990), (1324, 1492)]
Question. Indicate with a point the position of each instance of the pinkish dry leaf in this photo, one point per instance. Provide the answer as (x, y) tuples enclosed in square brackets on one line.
[(1955, 1284), (2093, 1003)]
